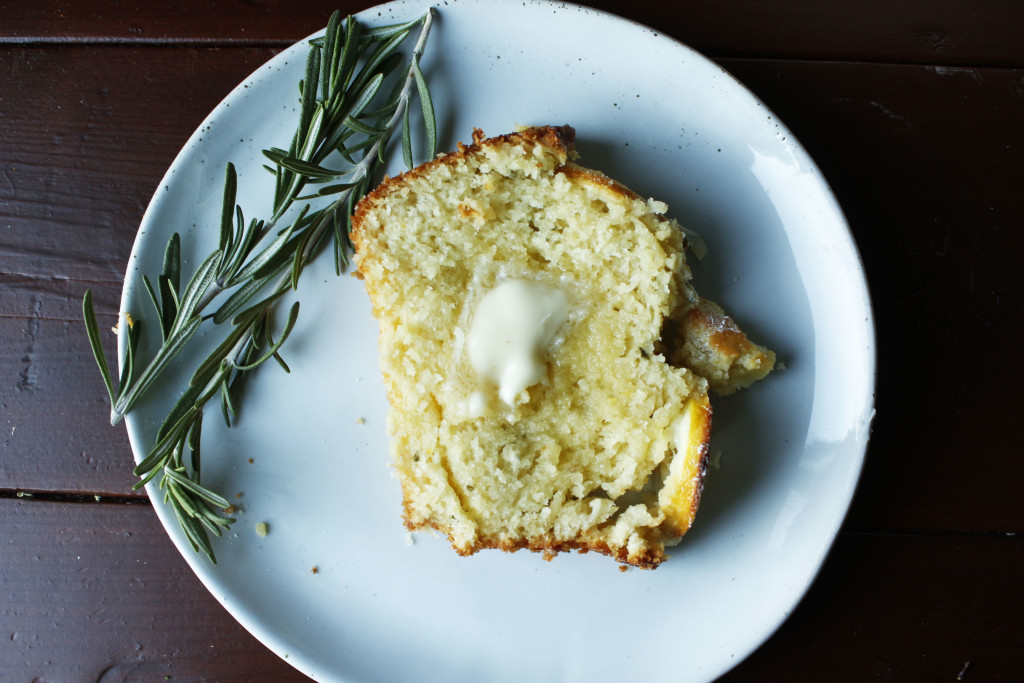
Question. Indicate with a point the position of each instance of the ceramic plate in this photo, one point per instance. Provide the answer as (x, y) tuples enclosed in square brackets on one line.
[(309, 455)]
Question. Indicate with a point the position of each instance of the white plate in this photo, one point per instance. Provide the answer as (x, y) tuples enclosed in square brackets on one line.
[(670, 124)]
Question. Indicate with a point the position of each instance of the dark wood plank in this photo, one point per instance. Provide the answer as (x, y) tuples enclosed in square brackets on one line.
[(904, 608), (246, 23), (108, 594), (913, 31), (920, 31), (95, 592), (927, 164), (54, 413), (88, 133)]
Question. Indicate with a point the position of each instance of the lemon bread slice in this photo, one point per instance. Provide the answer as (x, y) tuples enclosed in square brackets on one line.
[(521, 300)]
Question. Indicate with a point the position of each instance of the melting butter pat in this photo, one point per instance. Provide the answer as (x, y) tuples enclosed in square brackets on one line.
[(512, 326)]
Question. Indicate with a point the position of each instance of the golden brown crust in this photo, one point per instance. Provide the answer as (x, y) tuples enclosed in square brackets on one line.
[(724, 336), (705, 442), (682, 508), (574, 172), (710, 343), (560, 138), (650, 558)]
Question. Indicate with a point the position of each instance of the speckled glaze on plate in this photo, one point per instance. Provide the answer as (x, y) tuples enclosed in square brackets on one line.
[(309, 456)]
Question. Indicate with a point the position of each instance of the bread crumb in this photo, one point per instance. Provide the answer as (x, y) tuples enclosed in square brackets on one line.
[(262, 529), (360, 421), (250, 461), (239, 495), (410, 540), (314, 570)]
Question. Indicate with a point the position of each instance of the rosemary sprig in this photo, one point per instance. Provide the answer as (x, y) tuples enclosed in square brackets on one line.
[(343, 117)]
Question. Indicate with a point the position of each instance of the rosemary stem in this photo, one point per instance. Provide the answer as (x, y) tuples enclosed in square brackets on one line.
[(253, 258), (410, 79), (209, 295)]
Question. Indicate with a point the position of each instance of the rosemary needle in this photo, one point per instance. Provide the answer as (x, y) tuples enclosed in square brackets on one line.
[(351, 103)]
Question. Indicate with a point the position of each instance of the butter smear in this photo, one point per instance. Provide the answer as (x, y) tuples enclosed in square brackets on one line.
[(513, 325)]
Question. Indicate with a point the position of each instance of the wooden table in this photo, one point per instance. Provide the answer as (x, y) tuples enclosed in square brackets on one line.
[(914, 110)]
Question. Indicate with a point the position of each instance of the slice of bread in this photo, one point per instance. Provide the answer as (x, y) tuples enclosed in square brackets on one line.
[(521, 301)]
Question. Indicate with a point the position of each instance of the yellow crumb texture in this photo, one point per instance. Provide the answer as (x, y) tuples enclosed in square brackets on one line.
[(607, 452)]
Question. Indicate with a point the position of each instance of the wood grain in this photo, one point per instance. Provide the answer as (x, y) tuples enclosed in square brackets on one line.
[(919, 31), (97, 592), (904, 607), (72, 192), (84, 148), (54, 429)]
